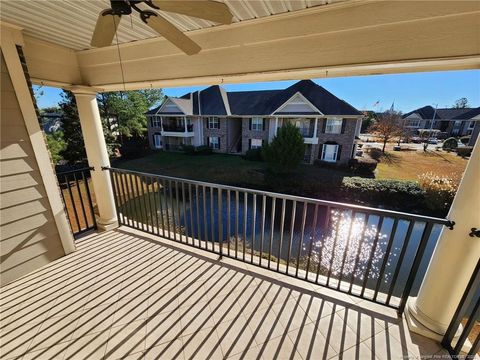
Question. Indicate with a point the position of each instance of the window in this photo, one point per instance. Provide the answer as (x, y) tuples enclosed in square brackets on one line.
[(256, 124), (214, 142), (157, 141), (213, 123), (413, 123), (303, 125), (256, 143), (156, 122), (333, 126), (329, 152), (471, 125)]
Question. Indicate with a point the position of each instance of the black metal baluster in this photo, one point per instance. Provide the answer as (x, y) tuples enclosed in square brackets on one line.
[(121, 199), (73, 204), (172, 207), (337, 226), (167, 208), (302, 236), (290, 240), (372, 254), (245, 215), (84, 213), (148, 204), (160, 205), (236, 224), (361, 241), (199, 228), (190, 201), (272, 229), (385, 258), (220, 221), (185, 222), (262, 235), (229, 214), (153, 185), (115, 197), (326, 224), (90, 202), (416, 263), (205, 228), (212, 217), (282, 228), (254, 215), (312, 239), (179, 216), (347, 245), (398, 266)]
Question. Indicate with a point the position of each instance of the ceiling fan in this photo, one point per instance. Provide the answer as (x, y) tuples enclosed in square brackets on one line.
[(109, 19)]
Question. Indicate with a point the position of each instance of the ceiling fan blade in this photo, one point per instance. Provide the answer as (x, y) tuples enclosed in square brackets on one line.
[(204, 9), (172, 34), (105, 29)]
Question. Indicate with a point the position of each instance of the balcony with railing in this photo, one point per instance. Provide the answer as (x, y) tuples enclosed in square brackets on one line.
[(177, 128)]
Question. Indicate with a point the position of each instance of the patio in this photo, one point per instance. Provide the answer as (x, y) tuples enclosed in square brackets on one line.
[(130, 295)]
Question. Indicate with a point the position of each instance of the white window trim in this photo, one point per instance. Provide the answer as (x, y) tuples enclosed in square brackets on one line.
[(214, 144), (159, 144), (212, 121), (156, 121), (335, 153), (252, 147), (257, 124), (336, 127)]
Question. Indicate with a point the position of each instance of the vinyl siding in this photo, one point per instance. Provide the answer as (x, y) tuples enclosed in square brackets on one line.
[(29, 236)]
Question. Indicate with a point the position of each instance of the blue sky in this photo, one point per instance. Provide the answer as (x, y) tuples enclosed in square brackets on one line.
[(408, 91)]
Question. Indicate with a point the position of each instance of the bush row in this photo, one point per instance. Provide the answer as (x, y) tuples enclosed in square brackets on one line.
[(196, 150)]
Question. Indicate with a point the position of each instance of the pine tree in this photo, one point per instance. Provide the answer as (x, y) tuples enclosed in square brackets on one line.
[(74, 150), (286, 150)]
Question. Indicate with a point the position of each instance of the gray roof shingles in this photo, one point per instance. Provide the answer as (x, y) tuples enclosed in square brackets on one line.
[(427, 112), (265, 102)]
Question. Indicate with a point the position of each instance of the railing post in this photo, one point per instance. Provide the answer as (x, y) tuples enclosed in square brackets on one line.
[(453, 261), (97, 155)]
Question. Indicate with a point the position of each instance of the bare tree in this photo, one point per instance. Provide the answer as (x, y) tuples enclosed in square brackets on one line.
[(388, 126)]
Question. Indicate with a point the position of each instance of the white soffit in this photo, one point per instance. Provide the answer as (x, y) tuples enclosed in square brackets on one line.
[(70, 23)]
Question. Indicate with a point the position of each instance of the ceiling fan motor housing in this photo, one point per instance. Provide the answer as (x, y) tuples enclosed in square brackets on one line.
[(121, 7)]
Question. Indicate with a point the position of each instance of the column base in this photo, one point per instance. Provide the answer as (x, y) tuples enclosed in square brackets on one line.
[(423, 326), (103, 225), (419, 323)]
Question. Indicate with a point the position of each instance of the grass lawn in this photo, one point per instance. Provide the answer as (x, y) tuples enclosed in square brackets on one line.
[(408, 165), (229, 170)]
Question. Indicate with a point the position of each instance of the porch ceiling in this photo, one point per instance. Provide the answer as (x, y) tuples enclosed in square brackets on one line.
[(342, 39), (70, 23)]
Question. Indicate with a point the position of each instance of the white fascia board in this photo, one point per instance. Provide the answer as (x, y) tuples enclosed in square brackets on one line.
[(303, 98)]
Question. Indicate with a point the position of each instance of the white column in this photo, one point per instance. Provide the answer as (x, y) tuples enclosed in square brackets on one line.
[(185, 123), (276, 125), (315, 128), (453, 261), (97, 155)]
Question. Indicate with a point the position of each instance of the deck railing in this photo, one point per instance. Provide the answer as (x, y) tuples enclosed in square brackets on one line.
[(77, 197), (466, 322), (369, 253)]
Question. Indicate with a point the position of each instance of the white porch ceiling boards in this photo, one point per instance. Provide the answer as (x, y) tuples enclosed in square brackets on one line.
[(70, 23)]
